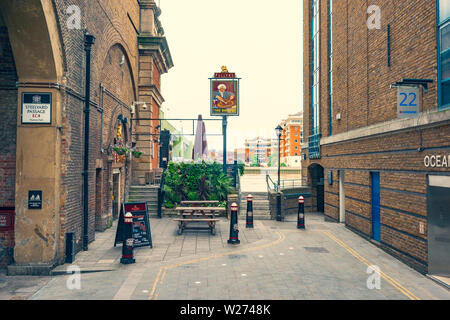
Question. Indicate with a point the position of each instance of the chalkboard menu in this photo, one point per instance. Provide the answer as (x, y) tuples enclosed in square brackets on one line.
[(141, 224)]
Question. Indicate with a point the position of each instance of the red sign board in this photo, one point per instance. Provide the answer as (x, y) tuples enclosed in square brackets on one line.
[(224, 75), (6, 219), (135, 207)]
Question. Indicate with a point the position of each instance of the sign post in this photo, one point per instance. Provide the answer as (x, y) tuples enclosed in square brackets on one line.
[(224, 102)]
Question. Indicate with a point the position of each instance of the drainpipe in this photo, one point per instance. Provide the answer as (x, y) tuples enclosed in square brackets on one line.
[(88, 42)]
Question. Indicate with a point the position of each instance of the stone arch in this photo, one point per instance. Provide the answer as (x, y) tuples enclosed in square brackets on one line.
[(36, 48), (34, 36)]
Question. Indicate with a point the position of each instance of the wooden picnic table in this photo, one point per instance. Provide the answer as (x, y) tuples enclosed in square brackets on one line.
[(198, 214), (199, 203)]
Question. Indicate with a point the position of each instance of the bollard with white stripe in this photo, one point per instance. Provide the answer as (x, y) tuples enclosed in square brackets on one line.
[(249, 221), (234, 226), (301, 213), (128, 241)]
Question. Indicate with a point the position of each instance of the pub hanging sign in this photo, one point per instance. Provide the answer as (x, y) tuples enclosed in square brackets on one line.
[(224, 94), (36, 108)]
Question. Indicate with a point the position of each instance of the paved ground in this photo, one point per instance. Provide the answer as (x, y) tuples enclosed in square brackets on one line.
[(273, 261)]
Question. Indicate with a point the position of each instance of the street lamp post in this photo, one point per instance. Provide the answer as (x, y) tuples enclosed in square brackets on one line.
[(279, 131)]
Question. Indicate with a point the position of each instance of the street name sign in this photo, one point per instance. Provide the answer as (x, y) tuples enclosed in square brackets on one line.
[(36, 108)]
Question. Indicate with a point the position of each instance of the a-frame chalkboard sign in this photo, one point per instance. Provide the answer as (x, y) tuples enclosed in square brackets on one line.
[(142, 234)]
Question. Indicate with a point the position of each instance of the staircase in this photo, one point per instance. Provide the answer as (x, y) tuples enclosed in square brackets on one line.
[(261, 209), (147, 194)]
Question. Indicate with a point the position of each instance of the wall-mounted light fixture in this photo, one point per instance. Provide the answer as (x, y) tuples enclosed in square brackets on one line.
[(136, 103)]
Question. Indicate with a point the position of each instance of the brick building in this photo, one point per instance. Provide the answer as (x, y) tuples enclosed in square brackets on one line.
[(43, 67), (257, 150), (291, 140), (382, 173)]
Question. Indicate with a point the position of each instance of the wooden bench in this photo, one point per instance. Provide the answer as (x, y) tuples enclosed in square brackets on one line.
[(198, 214)]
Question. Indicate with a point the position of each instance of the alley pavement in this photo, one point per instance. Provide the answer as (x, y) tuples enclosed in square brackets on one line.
[(275, 261)]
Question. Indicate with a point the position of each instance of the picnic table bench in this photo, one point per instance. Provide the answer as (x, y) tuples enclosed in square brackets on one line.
[(198, 214)]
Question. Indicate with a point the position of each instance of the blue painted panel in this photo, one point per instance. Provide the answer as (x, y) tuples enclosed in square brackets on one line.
[(376, 223)]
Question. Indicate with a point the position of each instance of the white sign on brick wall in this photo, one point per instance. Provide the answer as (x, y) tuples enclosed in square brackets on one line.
[(36, 108)]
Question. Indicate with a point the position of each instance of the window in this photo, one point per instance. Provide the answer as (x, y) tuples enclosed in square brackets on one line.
[(330, 64), (444, 53), (315, 70)]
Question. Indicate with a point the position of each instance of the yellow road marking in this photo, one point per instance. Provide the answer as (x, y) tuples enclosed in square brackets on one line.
[(154, 284), (158, 280), (389, 279)]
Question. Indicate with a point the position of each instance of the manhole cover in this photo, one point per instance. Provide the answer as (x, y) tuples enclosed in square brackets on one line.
[(237, 256), (316, 249)]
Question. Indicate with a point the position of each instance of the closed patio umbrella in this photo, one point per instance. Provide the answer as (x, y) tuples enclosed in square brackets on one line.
[(200, 150)]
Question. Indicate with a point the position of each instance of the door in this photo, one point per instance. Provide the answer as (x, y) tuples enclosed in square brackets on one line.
[(116, 195), (341, 196), (438, 218), (376, 225), (321, 195)]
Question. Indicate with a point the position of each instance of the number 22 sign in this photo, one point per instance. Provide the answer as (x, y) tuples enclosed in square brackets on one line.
[(408, 101)]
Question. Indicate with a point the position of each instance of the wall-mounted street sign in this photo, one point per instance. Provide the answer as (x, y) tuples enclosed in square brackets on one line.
[(408, 101), (36, 108), (224, 94), (34, 200)]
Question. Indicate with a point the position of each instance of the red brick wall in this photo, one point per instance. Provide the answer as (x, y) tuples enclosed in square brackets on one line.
[(361, 93), (111, 22)]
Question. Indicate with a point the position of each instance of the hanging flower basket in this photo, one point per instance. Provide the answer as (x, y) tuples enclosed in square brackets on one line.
[(120, 150), (136, 154)]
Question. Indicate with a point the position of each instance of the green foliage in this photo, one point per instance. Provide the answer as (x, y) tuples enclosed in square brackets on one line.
[(136, 154), (283, 164), (195, 181), (120, 150), (241, 168)]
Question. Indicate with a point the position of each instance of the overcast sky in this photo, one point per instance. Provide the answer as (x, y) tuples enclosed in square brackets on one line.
[(259, 40)]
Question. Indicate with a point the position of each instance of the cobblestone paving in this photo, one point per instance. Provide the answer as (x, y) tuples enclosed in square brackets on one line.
[(273, 261)]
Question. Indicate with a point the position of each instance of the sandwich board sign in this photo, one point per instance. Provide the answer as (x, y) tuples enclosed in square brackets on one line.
[(142, 235)]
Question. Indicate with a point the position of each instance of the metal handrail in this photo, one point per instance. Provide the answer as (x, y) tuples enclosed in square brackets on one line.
[(268, 178)]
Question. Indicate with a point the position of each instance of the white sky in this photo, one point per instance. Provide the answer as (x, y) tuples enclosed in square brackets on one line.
[(259, 40)]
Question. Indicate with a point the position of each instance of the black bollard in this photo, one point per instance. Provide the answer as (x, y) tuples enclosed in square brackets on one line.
[(279, 218), (249, 221), (234, 226), (128, 242), (301, 213)]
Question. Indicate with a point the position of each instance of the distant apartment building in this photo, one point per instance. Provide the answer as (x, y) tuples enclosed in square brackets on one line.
[(377, 123), (291, 140), (258, 151)]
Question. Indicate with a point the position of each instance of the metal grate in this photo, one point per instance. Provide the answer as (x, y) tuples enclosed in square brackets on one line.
[(316, 249)]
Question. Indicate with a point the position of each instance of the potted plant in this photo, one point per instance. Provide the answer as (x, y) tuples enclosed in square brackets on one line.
[(120, 150), (137, 154)]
